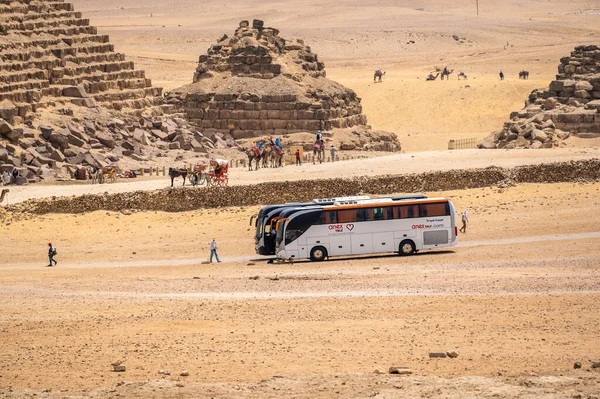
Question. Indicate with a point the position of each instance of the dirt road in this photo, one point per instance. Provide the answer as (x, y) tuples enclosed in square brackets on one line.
[(392, 164)]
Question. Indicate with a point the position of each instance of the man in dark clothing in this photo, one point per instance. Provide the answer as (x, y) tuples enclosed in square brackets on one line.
[(51, 254), (501, 75), (15, 175)]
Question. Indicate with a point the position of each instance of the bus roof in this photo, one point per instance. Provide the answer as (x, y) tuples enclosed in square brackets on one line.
[(382, 202)]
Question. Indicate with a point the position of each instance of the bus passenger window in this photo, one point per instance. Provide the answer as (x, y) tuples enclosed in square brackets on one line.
[(328, 217), (377, 213), (361, 215), (346, 216), (388, 213), (440, 209)]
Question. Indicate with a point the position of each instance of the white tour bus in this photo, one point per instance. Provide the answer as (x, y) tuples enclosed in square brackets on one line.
[(265, 220), (366, 227)]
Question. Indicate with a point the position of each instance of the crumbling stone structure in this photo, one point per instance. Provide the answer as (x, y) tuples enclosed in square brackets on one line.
[(49, 54), (570, 105), (257, 82)]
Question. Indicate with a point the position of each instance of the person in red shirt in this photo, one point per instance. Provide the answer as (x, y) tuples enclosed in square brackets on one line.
[(298, 158)]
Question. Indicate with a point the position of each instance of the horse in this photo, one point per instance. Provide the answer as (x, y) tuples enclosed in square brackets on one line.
[(319, 151), (524, 74), (92, 174), (378, 75), (110, 171), (461, 74), (447, 73), (254, 154), (174, 172)]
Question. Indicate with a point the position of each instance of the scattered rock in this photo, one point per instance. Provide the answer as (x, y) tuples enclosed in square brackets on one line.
[(452, 354), (437, 355), (577, 365), (400, 370), (254, 277), (184, 373)]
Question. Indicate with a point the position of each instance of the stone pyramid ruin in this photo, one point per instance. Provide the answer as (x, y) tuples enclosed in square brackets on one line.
[(570, 105), (50, 54), (257, 83)]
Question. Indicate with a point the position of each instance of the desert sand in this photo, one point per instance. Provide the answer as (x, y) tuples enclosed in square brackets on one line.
[(517, 298)]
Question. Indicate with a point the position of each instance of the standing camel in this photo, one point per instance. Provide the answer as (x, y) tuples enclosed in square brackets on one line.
[(276, 156), (254, 154), (378, 75), (447, 73), (319, 151), (3, 194)]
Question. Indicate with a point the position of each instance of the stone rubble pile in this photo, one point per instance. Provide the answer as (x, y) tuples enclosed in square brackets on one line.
[(44, 151), (187, 199), (258, 83), (570, 105)]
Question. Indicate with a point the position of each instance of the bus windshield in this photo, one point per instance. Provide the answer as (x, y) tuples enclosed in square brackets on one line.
[(280, 229)]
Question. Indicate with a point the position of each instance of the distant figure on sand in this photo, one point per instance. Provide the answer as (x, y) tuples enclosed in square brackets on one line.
[(213, 250), (298, 162), (465, 219), (501, 74), (51, 254), (333, 151), (432, 77), (461, 74)]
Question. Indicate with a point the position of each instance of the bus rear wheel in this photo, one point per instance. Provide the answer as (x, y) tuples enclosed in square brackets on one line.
[(318, 254), (407, 247)]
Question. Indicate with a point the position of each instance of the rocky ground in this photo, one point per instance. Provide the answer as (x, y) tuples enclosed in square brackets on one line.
[(516, 300)]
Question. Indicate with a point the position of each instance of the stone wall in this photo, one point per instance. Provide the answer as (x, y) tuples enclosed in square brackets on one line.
[(49, 54), (187, 199)]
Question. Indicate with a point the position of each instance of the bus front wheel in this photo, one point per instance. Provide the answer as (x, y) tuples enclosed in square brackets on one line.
[(318, 254), (407, 247)]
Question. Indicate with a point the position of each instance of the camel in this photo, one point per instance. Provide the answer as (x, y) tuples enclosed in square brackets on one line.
[(447, 73), (266, 156), (524, 74), (431, 77), (319, 151), (174, 172), (378, 75), (276, 156), (3, 194), (254, 154), (461, 74)]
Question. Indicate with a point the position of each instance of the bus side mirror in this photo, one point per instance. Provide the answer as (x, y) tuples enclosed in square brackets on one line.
[(251, 218)]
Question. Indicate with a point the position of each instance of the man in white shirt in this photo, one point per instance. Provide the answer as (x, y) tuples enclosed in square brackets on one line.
[(213, 250), (465, 219)]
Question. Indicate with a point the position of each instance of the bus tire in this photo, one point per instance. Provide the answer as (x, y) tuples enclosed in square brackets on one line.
[(407, 247), (318, 254)]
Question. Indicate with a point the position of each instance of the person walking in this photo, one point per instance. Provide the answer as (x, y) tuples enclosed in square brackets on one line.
[(298, 162), (51, 254), (333, 151), (465, 219), (501, 75), (213, 250)]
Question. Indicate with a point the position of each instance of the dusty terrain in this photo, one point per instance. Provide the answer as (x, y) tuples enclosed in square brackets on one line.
[(517, 299)]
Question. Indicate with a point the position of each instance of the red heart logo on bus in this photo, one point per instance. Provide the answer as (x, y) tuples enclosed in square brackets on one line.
[(350, 226)]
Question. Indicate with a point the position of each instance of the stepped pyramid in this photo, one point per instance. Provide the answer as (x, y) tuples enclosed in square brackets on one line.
[(570, 105), (257, 82), (49, 54)]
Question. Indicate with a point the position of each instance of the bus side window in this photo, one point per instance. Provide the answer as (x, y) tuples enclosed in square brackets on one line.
[(388, 212), (439, 209), (377, 213), (423, 210), (361, 215), (346, 216), (328, 217), (412, 211)]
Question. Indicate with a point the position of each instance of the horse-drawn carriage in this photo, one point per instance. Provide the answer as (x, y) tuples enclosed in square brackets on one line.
[(216, 176)]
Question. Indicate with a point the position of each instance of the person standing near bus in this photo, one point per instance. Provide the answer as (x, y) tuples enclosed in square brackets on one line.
[(465, 219), (213, 250)]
